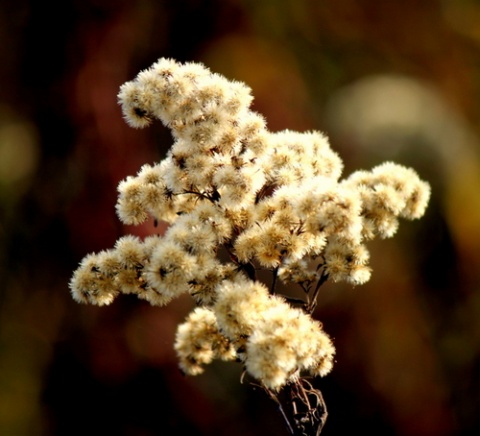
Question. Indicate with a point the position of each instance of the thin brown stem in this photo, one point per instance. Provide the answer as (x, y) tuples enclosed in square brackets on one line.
[(274, 280), (308, 409), (313, 299), (274, 397)]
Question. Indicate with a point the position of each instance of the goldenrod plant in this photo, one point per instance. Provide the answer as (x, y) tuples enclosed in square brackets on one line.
[(239, 199)]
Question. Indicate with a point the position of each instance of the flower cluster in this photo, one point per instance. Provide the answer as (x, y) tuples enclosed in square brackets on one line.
[(239, 199)]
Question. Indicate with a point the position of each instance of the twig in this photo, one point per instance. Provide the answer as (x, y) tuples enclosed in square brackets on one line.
[(313, 302), (274, 280), (274, 397)]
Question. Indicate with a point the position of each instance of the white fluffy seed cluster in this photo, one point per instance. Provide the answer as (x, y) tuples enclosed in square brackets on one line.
[(269, 200)]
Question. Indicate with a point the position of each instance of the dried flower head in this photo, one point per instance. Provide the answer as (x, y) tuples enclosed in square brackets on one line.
[(240, 199)]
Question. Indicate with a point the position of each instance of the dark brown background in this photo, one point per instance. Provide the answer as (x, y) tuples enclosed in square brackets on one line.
[(408, 341)]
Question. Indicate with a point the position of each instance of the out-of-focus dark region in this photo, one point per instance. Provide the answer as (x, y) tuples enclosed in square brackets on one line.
[(384, 80)]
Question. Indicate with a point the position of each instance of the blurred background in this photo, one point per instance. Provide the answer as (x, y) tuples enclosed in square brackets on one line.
[(391, 80)]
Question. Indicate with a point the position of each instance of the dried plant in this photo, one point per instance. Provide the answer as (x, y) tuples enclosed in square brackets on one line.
[(271, 201)]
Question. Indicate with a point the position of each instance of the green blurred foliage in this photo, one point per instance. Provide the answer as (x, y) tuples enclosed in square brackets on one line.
[(385, 80)]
